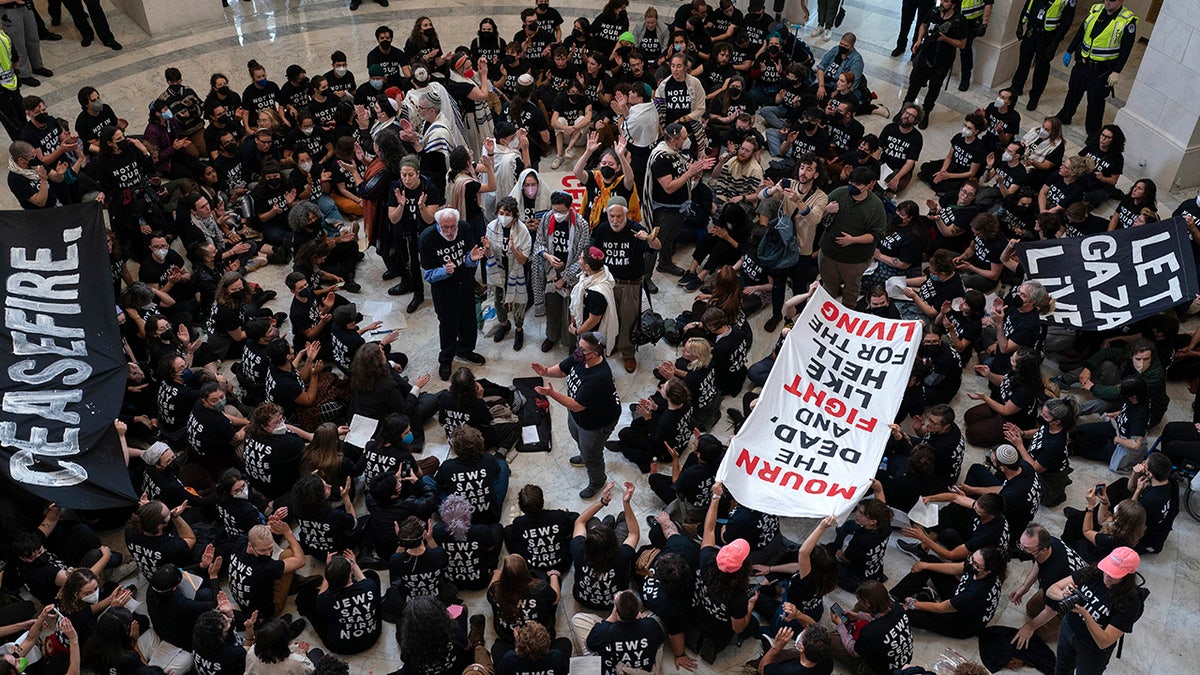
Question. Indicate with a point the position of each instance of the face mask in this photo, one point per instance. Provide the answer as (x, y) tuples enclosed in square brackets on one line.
[(607, 172), (928, 350), (1043, 134), (577, 33), (160, 254), (678, 47), (93, 597), (280, 430), (999, 101), (43, 119), (407, 439), (340, 71), (843, 51), (261, 83), (307, 131), (385, 44), (1014, 301), (934, 278), (229, 147), (773, 50), (967, 133), (578, 355), (168, 115), (222, 91), (96, 106), (377, 84), (969, 567), (560, 217), (530, 191), (504, 220), (1006, 157), (306, 166), (469, 73), (735, 91), (306, 293), (219, 406), (429, 32), (186, 374), (854, 190), (274, 182), (810, 126), (244, 493)]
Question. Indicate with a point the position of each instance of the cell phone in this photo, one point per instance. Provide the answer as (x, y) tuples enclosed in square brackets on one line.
[(1099, 488), (786, 183), (841, 613)]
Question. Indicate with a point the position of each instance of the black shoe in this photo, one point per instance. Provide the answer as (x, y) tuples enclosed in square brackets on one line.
[(355, 4), (687, 276), (501, 332), (898, 50), (44, 72), (735, 416), (693, 284), (1032, 104), (548, 344), (590, 491), (114, 45), (352, 287), (382, 3), (49, 37), (87, 42), (388, 276), (964, 84), (577, 460), (474, 358), (651, 287), (924, 123), (668, 267), (612, 446), (1066, 122), (295, 628), (416, 301), (518, 340), (371, 562), (398, 289), (31, 82), (444, 371), (912, 548), (772, 323), (268, 296)]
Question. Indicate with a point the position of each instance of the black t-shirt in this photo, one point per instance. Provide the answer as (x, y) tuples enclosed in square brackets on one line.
[(729, 355), (1110, 163), (350, 617), (152, 271), (175, 402), (410, 222), (1022, 495), (537, 604), (886, 643), (436, 251), (976, 600), (88, 126), (595, 390), (1161, 505), (1062, 563), (46, 139), (1099, 604), (255, 99), (23, 188), (468, 563), (713, 614), (632, 643), (668, 165), (415, 576), (553, 663), (543, 539), (948, 452), (210, 433), (1060, 193), (935, 52), (453, 415), (392, 62), (237, 516), (595, 589), (672, 611), (1006, 176), (475, 481), (796, 667), (865, 552), (254, 365), (329, 533), (283, 387), (816, 143), (964, 153), (380, 459), (150, 552), (230, 659), (39, 575), (1002, 122), (898, 147), (624, 253), (252, 580), (936, 292), (1049, 450), (991, 533), (757, 528)]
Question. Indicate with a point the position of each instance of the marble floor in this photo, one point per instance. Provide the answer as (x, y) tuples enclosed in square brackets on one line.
[(278, 33)]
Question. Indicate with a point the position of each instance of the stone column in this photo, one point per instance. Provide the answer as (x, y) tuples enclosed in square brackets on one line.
[(1161, 118), (996, 52), (161, 17)]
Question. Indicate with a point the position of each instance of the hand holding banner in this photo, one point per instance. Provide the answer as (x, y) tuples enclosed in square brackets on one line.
[(814, 440)]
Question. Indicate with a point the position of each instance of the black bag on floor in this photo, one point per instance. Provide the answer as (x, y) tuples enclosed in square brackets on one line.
[(534, 412)]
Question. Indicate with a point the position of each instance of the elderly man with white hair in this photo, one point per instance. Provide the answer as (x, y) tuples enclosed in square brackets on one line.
[(625, 244), (432, 135), (448, 261)]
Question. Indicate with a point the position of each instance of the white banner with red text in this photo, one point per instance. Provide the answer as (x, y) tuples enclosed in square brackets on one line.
[(813, 442)]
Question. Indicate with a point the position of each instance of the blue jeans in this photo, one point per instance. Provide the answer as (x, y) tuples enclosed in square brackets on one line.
[(330, 210), (591, 448), (775, 116), (1078, 653)]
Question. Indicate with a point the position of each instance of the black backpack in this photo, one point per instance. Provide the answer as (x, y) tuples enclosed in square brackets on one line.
[(650, 328), (778, 249)]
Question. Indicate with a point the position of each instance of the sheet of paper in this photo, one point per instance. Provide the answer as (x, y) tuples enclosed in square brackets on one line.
[(895, 288), (585, 665), (885, 172), (376, 310), (362, 428), (925, 515), (529, 434), (442, 451)]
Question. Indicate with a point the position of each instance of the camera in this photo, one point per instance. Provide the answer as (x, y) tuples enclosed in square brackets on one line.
[(1069, 601)]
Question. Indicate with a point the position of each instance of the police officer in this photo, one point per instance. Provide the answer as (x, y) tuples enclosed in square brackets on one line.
[(1102, 43), (977, 14), (1042, 25), (448, 262), (11, 109)]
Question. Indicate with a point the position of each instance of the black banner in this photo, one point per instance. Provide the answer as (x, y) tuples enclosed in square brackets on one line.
[(1108, 280), (62, 367)]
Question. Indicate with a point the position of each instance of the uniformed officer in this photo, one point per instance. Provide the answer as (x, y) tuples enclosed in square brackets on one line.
[(1042, 26), (449, 256), (1102, 43), (11, 109), (977, 14)]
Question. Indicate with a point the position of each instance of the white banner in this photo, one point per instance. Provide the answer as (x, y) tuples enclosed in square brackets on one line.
[(814, 440)]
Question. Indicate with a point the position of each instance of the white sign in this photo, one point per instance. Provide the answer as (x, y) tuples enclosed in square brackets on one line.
[(814, 440)]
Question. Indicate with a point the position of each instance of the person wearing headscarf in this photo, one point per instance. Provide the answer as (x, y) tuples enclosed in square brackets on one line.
[(512, 246), (562, 238)]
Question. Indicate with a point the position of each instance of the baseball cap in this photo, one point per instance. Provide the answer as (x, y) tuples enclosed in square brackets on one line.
[(732, 555), (375, 70), (1121, 561), (626, 37)]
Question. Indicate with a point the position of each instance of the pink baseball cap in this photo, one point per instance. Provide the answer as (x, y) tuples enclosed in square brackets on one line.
[(1121, 561), (732, 555)]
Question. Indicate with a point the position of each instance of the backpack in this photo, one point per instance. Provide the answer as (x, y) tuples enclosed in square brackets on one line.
[(778, 249), (649, 328)]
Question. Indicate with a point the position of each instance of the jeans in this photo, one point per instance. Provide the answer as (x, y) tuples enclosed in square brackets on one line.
[(775, 116), (1078, 653), (329, 209), (591, 448)]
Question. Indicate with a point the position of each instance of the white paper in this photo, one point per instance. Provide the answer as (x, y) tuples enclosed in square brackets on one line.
[(885, 172), (585, 665), (442, 451), (190, 584), (925, 515), (362, 428), (895, 288), (375, 310), (529, 434)]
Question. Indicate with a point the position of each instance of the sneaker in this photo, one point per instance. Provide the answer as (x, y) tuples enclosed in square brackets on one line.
[(444, 371), (474, 358), (416, 301), (735, 416), (816, 32), (590, 491), (502, 332), (577, 460), (828, 34), (355, 4), (651, 287), (912, 548), (253, 265), (687, 276), (898, 50), (693, 284), (772, 323), (630, 364), (558, 161), (668, 267), (267, 296), (518, 340), (548, 344)]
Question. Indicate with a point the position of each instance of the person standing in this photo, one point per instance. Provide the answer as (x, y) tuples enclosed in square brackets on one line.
[(625, 244), (592, 402), (1103, 43), (668, 188), (911, 12), (11, 108), (848, 245), (943, 32), (977, 14), (410, 209), (448, 262), (1042, 26), (20, 24)]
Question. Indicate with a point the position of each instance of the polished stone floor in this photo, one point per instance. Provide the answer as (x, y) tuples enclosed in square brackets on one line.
[(280, 33)]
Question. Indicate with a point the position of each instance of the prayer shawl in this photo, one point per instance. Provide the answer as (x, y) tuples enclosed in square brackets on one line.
[(502, 269), (647, 190), (601, 282), (577, 242)]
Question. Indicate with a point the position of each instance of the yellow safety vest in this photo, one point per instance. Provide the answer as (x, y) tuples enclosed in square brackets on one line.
[(1107, 45), (8, 76), (972, 9), (1049, 17)]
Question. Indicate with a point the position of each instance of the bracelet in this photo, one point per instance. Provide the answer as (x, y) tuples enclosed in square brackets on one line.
[(605, 503)]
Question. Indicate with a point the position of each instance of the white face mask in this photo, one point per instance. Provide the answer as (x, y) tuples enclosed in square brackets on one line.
[(244, 493), (306, 166), (504, 220), (967, 133), (999, 101), (280, 430), (160, 254), (1007, 156), (307, 131), (93, 597), (560, 217), (1043, 134), (515, 143), (340, 70)]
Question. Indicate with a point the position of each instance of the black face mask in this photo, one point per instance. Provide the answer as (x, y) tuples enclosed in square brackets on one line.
[(810, 126), (385, 44), (1014, 301), (43, 119), (928, 350), (735, 92), (577, 33), (842, 51), (229, 147), (607, 172), (624, 51), (222, 91), (429, 32), (773, 50), (274, 182)]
